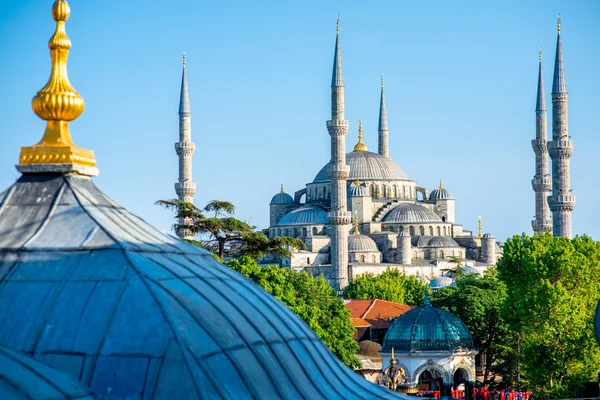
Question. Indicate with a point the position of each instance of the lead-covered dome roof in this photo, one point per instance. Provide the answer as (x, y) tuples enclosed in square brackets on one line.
[(427, 328), (305, 215), (282, 198), (442, 241), (361, 243), (409, 213), (441, 282), (365, 165), (359, 190), (440, 194), (23, 378), (95, 292)]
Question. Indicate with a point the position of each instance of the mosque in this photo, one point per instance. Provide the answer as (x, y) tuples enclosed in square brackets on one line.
[(396, 222)]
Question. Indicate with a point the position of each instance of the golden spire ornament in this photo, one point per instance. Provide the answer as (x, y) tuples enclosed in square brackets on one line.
[(479, 230), (355, 224), (281, 191), (58, 103), (360, 146), (441, 187)]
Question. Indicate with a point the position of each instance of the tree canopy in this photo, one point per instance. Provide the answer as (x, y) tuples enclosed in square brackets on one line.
[(553, 286), (312, 299), (391, 285), (221, 232)]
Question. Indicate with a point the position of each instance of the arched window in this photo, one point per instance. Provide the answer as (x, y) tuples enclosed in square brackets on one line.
[(384, 190), (445, 234), (442, 254), (404, 191), (453, 253), (362, 259), (415, 255), (304, 232), (400, 229), (284, 232), (422, 230), (431, 230), (395, 191), (308, 260), (460, 254), (314, 230), (374, 259), (412, 230), (372, 190), (439, 231)]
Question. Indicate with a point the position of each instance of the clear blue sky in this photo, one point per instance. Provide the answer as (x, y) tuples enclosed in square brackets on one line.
[(460, 89)]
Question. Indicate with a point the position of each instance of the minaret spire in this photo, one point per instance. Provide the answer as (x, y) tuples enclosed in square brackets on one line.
[(561, 202), (185, 148), (541, 182), (383, 125), (338, 218)]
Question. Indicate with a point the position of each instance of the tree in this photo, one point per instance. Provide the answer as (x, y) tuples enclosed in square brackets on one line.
[(479, 302), (312, 299), (391, 285), (222, 231), (553, 287)]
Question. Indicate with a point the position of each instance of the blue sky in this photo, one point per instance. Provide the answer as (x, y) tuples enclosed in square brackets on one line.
[(460, 90)]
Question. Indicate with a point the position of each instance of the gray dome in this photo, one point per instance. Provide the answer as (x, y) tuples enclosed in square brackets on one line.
[(94, 291), (440, 194), (282, 198), (442, 241), (306, 215), (23, 378), (427, 328), (487, 236), (361, 243), (358, 191), (409, 213), (441, 282), (365, 165)]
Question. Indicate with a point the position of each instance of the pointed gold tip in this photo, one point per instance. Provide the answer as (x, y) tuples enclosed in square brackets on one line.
[(355, 224), (281, 190), (360, 146), (441, 183), (558, 23), (540, 53), (58, 103), (356, 182), (337, 25), (479, 228)]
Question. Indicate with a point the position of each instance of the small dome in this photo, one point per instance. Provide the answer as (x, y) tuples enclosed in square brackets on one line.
[(440, 194), (427, 328), (409, 213), (442, 241), (361, 243), (441, 282), (306, 215), (487, 236), (369, 349), (24, 378), (282, 198), (359, 190), (365, 165)]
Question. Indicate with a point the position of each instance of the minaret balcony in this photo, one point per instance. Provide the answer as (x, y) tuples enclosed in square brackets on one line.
[(539, 145), (560, 148), (541, 184), (561, 202), (185, 189), (339, 218), (185, 148), (542, 226), (338, 127)]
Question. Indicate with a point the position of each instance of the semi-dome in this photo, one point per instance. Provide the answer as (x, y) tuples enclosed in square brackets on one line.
[(282, 198), (361, 243), (305, 215), (358, 190), (23, 378), (465, 270), (442, 241), (441, 282), (365, 165), (427, 328), (410, 213), (440, 194)]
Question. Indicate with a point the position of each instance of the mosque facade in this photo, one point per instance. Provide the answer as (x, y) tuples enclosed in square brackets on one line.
[(362, 213)]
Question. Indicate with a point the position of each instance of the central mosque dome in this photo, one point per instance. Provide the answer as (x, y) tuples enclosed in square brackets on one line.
[(365, 166)]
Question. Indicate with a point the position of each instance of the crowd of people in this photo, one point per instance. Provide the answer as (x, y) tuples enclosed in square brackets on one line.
[(483, 393)]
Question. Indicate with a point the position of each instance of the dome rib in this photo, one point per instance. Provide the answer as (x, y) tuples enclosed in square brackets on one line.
[(367, 166)]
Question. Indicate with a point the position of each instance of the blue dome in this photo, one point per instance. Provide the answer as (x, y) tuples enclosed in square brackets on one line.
[(441, 282), (282, 198), (358, 191), (23, 378), (365, 165), (440, 194), (95, 292), (427, 328), (409, 213), (361, 243), (306, 215)]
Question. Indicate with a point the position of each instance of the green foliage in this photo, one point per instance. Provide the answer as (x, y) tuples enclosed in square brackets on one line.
[(312, 299), (553, 286), (222, 232), (478, 302), (391, 285)]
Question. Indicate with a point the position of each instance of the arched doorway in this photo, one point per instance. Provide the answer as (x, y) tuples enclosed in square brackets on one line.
[(430, 379), (461, 376)]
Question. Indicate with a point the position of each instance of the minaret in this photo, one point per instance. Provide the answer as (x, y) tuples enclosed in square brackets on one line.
[(383, 126), (541, 183), (561, 201), (338, 218), (185, 148)]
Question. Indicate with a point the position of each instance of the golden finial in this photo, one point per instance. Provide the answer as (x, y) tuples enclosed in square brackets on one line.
[(558, 23), (393, 356), (441, 187), (540, 53), (356, 182), (337, 25), (479, 230), (355, 224), (360, 146), (58, 103), (281, 190)]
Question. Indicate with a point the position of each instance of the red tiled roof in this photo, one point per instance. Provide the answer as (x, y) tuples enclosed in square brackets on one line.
[(359, 322), (377, 313)]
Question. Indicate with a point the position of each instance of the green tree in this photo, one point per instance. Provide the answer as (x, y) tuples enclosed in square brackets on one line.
[(479, 302), (223, 232), (553, 287), (312, 299), (391, 285)]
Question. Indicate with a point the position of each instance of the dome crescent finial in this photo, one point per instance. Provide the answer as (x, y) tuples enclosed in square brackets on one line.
[(441, 187), (360, 146), (281, 190)]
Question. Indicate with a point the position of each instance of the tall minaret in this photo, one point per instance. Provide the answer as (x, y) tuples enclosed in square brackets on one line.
[(383, 126), (184, 187), (561, 201), (338, 218), (542, 184)]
